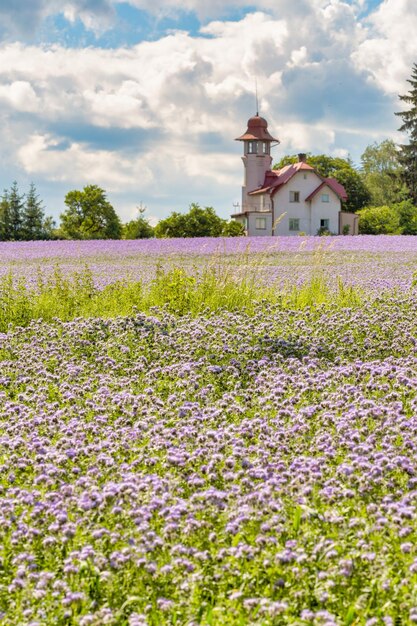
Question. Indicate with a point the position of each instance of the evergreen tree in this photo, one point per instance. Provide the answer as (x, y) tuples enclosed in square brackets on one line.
[(408, 152), (16, 206), (33, 216), (5, 217)]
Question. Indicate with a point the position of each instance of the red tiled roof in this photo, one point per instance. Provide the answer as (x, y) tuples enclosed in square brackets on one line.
[(334, 185), (257, 130), (274, 179)]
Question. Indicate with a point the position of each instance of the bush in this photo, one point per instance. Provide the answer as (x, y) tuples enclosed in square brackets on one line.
[(379, 220)]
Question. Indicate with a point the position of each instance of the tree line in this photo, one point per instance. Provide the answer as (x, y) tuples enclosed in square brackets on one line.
[(382, 191), (89, 215)]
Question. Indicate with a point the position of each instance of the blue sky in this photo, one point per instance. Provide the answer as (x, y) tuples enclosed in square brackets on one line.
[(144, 98)]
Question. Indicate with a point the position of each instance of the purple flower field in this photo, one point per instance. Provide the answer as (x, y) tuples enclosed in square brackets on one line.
[(226, 469), (376, 262)]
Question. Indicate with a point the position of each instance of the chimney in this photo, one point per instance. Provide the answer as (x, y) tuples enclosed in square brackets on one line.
[(302, 157)]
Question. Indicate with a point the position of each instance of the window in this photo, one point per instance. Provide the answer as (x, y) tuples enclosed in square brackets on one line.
[(260, 223), (252, 147), (265, 147), (294, 223), (325, 197), (294, 196), (305, 175), (324, 224)]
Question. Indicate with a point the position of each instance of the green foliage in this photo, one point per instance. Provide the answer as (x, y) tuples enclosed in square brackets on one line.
[(89, 215), (33, 217), (216, 286), (16, 207), (198, 222), (408, 152), (408, 217), (382, 173), (24, 219), (340, 169), (358, 194), (138, 228), (380, 220), (5, 217), (233, 229), (400, 218)]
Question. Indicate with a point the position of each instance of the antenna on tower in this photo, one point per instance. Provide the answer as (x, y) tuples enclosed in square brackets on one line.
[(256, 95)]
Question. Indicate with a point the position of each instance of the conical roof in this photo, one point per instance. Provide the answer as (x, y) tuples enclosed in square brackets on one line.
[(257, 130)]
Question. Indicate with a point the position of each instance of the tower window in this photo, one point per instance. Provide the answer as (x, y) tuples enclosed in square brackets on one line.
[(294, 196), (252, 147), (265, 147)]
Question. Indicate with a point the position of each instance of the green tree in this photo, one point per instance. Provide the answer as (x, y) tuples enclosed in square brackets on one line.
[(407, 212), (16, 207), (233, 229), (5, 217), (138, 228), (382, 173), (198, 222), (89, 215), (379, 220), (340, 169), (408, 152), (49, 228), (33, 216)]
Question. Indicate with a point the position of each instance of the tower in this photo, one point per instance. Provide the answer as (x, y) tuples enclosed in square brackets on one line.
[(256, 159)]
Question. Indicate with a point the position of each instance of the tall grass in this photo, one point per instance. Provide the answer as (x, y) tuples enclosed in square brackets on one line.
[(214, 286)]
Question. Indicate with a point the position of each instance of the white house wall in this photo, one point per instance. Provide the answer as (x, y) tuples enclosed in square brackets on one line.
[(325, 210), (253, 231), (308, 213)]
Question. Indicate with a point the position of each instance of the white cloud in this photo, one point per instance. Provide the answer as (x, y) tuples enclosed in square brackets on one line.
[(23, 17), (391, 46), (43, 154), (20, 95), (170, 108)]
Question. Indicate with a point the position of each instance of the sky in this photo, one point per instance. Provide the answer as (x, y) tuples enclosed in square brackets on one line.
[(144, 98)]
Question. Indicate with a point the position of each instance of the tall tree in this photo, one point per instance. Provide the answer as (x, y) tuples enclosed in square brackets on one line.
[(5, 216), (408, 152), (16, 206), (382, 173), (89, 215), (33, 216), (340, 169)]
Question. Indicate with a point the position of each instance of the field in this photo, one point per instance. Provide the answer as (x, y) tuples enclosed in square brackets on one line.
[(209, 433)]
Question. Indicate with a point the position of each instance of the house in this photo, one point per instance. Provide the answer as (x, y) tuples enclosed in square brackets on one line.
[(289, 201)]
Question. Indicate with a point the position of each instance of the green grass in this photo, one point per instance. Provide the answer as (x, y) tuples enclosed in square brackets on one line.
[(213, 287)]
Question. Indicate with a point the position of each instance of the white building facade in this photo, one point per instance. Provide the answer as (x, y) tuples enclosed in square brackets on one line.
[(291, 201)]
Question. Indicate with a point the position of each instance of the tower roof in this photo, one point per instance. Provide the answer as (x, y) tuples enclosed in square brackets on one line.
[(257, 130)]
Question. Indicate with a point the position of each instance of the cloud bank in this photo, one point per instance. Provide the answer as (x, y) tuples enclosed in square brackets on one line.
[(156, 121)]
